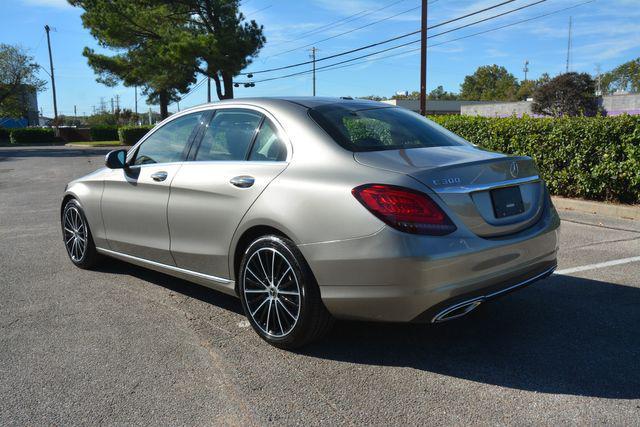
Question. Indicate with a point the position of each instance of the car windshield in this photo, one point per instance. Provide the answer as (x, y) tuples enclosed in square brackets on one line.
[(381, 128)]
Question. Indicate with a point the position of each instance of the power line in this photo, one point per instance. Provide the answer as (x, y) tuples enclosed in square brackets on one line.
[(342, 21), (387, 40), (415, 41), (349, 31), (338, 65)]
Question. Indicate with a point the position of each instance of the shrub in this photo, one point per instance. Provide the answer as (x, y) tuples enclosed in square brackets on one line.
[(129, 135), (594, 158), (32, 135), (4, 134), (104, 133), (569, 94)]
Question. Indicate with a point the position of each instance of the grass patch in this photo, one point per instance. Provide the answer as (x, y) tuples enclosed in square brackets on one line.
[(96, 143)]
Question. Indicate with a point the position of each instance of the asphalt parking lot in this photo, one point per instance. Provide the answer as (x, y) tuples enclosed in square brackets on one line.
[(128, 346)]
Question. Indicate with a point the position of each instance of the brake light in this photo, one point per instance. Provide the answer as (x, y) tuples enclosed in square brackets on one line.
[(404, 209)]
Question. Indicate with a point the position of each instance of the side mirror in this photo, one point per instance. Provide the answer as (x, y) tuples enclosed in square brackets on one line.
[(116, 159)]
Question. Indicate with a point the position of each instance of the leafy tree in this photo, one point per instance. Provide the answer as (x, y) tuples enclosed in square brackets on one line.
[(374, 98), (218, 36), (138, 33), (569, 94), (489, 83), (413, 95), (162, 44), (437, 93), (18, 75), (526, 89), (625, 77), (441, 94)]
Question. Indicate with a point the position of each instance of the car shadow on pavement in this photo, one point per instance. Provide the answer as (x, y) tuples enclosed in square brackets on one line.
[(192, 290), (563, 335)]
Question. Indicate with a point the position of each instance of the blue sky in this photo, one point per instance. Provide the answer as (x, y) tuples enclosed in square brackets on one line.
[(604, 32)]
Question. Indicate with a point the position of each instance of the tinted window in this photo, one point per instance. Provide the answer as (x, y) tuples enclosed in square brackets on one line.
[(168, 143), (381, 128), (268, 145), (229, 135)]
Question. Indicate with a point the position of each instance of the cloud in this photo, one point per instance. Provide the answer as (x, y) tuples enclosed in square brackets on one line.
[(59, 4)]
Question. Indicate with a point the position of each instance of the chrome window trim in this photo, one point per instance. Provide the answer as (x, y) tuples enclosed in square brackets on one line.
[(153, 130), (220, 280), (212, 108), (281, 132)]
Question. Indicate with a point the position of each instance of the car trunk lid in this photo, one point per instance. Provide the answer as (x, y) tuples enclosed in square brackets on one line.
[(492, 194)]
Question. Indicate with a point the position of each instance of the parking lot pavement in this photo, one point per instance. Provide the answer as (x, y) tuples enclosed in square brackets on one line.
[(123, 345)]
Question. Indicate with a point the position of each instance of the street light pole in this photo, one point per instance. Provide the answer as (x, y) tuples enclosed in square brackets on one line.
[(53, 80), (423, 60)]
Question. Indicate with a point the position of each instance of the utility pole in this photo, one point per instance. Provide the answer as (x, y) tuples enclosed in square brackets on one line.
[(598, 80), (208, 89), (149, 115), (135, 102), (423, 60), (75, 111), (569, 47), (313, 58), (53, 80), (526, 69)]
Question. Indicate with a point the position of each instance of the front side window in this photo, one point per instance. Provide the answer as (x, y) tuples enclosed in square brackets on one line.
[(167, 144), (268, 145), (382, 128), (229, 135)]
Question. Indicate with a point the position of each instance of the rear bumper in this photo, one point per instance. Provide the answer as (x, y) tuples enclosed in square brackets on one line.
[(398, 277)]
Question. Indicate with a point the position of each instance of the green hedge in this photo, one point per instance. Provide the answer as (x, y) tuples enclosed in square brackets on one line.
[(594, 158), (104, 133), (129, 135), (31, 135), (4, 134)]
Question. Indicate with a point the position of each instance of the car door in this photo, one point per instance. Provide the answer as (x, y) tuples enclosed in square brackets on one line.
[(241, 151), (134, 200)]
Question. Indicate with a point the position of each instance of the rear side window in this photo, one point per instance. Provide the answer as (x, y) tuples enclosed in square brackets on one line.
[(383, 128), (268, 145), (168, 143), (229, 135)]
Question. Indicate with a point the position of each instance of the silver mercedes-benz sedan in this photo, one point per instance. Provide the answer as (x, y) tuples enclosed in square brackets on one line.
[(311, 209)]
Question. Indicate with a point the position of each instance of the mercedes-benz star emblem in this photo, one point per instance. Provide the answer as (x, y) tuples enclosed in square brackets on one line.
[(513, 169)]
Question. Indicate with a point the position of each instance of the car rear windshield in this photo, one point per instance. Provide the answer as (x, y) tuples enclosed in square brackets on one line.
[(381, 128)]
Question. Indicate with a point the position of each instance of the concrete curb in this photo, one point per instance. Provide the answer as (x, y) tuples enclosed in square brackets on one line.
[(71, 144), (598, 208)]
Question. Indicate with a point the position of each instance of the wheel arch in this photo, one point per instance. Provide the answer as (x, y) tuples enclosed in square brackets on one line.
[(245, 239)]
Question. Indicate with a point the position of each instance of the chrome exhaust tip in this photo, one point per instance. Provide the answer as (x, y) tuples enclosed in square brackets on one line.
[(456, 311)]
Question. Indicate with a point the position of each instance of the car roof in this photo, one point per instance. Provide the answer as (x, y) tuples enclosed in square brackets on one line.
[(306, 101)]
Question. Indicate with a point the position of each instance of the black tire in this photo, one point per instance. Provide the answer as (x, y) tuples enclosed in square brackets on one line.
[(86, 257), (283, 330)]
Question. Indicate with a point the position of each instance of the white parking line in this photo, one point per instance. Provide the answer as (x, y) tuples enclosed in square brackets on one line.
[(598, 265)]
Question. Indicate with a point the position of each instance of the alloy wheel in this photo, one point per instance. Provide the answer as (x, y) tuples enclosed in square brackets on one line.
[(75, 234), (272, 292)]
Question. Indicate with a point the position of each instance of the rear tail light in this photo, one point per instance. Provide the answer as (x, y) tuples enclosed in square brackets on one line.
[(404, 209)]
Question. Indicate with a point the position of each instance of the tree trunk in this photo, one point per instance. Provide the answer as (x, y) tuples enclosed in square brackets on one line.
[(227, 79), (227, 82), (164, 104)]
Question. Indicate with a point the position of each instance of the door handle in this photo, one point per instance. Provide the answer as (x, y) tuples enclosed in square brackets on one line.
[(243, 181), (159, 176)]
